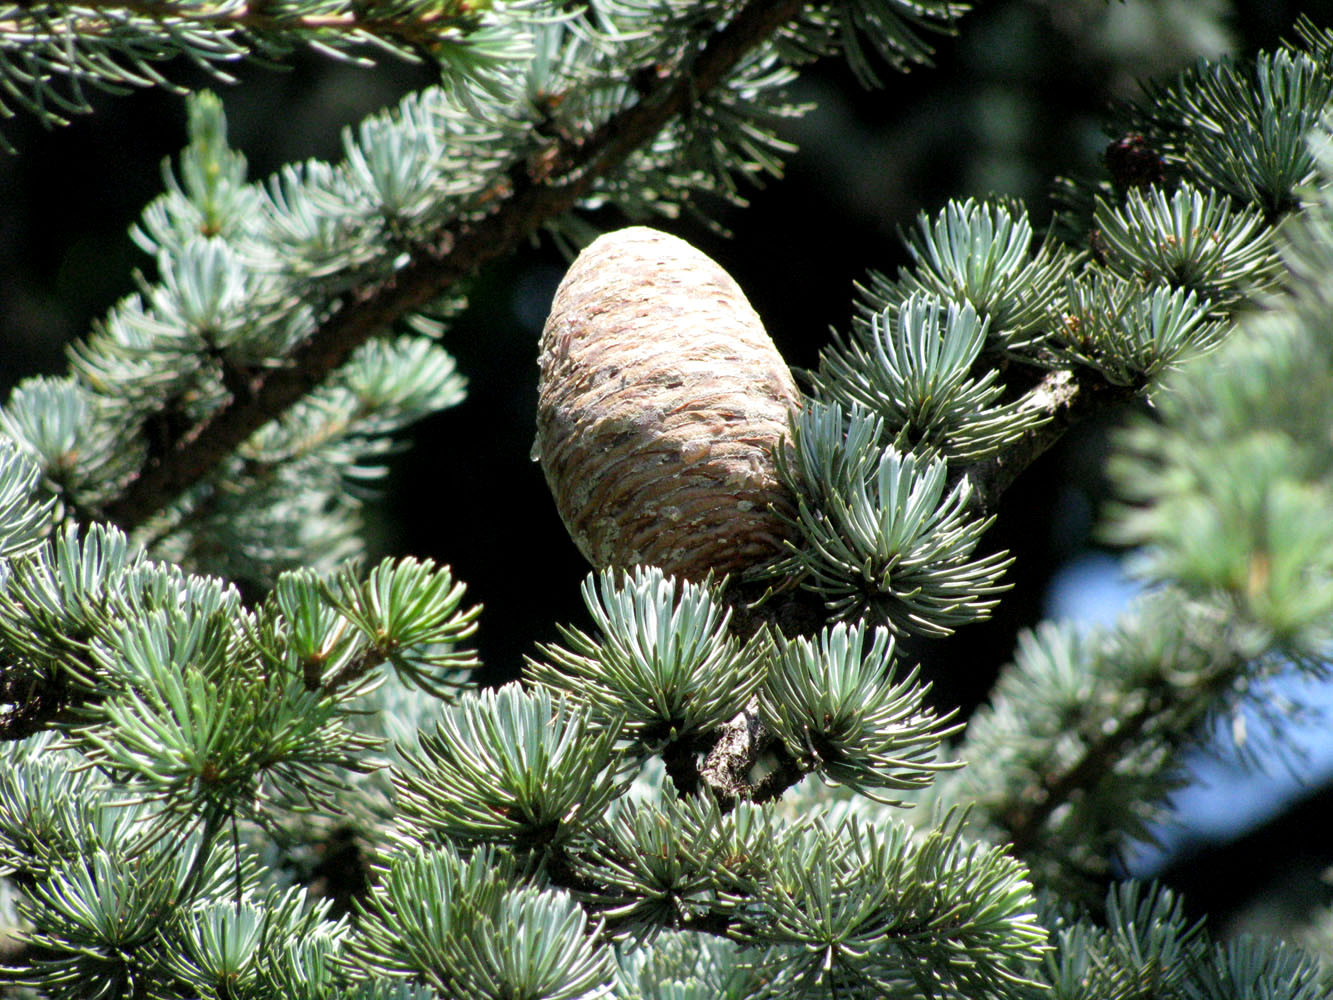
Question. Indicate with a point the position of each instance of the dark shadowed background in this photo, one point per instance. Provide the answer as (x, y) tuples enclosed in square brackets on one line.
[(1015, 100)]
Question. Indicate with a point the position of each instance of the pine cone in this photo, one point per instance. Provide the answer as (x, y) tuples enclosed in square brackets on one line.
[(660, 407)]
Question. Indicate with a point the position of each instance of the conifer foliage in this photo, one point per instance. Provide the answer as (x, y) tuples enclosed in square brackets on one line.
[(212, 711)]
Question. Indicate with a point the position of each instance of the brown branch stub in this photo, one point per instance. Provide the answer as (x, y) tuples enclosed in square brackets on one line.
[(1065, 397), (569, 173), (748, 762), (740, 742)]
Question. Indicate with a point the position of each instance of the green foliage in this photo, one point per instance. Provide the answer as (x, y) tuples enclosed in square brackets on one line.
[(466, 929), (1255, 536), (1146, 948), (104, 917), (1128, 332), (981, 253), (1106, 712), (240, 766), (887, 28), (666, 663), (56, 598), (1253, 967), (407, 612), (25, 515), (510, 767), (59, 425), (839, 709), (1242, 128), (51, 52), (1189, 240), (688, 967), (661, 862), (855, 904), (885, 536), (183, 732), (253, 946), (912, 364)]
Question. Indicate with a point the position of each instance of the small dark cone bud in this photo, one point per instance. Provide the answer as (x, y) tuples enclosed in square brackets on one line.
[(660, 406), (1134, 163)]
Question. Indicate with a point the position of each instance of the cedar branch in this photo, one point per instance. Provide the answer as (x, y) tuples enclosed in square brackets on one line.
[(1025, 826), (456, 253), (241, 24)]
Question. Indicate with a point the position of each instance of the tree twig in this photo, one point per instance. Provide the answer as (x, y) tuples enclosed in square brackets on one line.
[(1066, 396), (1097, 760)]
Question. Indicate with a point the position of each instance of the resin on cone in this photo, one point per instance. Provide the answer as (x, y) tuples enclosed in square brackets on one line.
[(661, 404)]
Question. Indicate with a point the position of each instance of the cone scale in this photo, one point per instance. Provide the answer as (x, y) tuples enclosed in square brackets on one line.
[(661, 404)]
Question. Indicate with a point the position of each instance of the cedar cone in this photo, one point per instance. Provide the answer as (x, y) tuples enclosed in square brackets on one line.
[(660, 406)]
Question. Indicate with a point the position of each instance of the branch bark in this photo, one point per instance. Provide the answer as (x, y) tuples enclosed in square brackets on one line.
[(458, 252), (1066, 397)]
